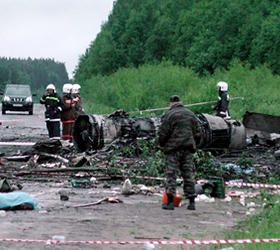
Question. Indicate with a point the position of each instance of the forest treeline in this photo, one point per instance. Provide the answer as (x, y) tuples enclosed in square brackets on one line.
[(38, 73), (203, 35)]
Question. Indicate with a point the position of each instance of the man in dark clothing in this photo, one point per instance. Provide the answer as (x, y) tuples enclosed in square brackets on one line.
[(221, 107), (54, 105), (179, 134)]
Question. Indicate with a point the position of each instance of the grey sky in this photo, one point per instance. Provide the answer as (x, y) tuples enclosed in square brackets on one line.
[(57, 29)]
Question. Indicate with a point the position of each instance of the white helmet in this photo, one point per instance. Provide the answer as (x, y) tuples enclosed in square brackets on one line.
[(76, 88), (67, 87), (223, 86), (51, 86)]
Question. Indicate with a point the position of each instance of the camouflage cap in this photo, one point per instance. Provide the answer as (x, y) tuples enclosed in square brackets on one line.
[(174, 98)]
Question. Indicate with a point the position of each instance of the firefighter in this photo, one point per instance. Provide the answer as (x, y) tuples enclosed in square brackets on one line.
[(54, 105), (179, 136), (78, 100), (68, 114), (221, 107)]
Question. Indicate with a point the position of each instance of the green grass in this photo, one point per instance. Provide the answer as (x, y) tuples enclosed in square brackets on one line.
[(149, 87), (262, 226)]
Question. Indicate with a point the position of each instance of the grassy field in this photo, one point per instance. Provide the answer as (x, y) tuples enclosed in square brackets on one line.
[(150, 86), (263, 226)]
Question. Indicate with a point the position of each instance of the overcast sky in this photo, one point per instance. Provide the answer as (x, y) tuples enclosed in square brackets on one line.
[(57, 29)]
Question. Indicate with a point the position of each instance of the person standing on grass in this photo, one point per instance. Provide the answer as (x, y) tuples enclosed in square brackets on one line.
[(54, 105), (179, 134)]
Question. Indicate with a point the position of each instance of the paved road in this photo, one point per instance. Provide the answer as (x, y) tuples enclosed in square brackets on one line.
[(21, 125), (12, 118)]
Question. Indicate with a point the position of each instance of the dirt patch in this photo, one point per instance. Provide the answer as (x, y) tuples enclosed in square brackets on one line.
[(138, 218)]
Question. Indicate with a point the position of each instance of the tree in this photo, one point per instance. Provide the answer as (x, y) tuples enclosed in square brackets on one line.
[(37, 73), (200, 34), (266, 46)]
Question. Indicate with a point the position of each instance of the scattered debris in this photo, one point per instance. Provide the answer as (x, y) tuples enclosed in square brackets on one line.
[(237, 168), (204, 198), (18, 158), (5, 186), (127, 187), (48, 146), (97, 161), (64, 197), (107, 199), (81, 183), (242, 200)]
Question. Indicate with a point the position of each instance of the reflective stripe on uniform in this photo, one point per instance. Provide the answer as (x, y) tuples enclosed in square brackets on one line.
[(53, 98)]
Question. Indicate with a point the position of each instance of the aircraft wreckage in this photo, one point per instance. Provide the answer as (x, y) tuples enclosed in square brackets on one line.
[(93, 132)]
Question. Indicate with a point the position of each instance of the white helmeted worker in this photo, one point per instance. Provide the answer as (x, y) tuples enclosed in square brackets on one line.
[(221, 107), (54, 105)]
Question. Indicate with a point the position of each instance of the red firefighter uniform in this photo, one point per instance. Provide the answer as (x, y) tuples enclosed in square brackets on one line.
[(68, 117)]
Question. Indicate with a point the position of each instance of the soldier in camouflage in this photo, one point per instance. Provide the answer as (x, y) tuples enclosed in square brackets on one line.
[(179, 134)]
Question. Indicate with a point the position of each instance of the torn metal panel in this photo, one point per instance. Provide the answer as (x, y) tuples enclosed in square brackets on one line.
[(237, 134), (262, 122)]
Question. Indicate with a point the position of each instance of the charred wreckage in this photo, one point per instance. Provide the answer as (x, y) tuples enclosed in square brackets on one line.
[(93, 132), (98, 135)]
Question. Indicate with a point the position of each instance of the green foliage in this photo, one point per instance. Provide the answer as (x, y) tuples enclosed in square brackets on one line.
[(151, 49), (154, 160), (274, 179), (262, 226), (150, 86), (206, 165), (37, 73), (148, 160), (245, 162), (202, 35), (266, 44)]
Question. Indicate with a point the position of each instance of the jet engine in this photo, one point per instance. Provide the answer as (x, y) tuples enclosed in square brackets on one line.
[(93, 132), (219, 133)]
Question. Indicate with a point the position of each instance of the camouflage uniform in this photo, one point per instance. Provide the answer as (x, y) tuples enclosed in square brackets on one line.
[(179, 134)]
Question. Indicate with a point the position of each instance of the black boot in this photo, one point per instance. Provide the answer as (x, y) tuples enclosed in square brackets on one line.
[(191, 206), (169, 205)]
